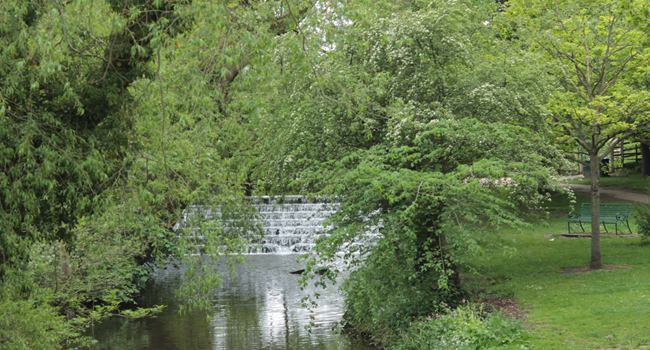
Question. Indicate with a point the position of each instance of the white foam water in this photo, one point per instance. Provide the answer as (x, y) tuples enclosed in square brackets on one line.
[(290, 224)]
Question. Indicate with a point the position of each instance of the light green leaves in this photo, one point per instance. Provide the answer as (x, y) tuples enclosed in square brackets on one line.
[(597, 51)]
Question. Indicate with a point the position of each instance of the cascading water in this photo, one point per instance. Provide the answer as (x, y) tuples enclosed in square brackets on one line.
[(257, 308), (291, 225)]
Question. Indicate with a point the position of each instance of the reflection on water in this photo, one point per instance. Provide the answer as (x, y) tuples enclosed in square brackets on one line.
[(259, 309)]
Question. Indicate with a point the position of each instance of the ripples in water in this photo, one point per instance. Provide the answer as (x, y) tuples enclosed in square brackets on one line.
[(260, 308)]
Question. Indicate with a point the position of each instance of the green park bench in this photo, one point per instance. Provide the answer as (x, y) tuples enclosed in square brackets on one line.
[(611, 213)]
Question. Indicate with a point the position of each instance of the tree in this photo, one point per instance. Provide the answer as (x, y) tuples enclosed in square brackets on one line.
[(598, 53), (114, 118), (65, 144), (419, 129)]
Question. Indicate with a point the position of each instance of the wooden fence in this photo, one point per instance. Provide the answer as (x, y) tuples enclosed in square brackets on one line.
[(628, 154)]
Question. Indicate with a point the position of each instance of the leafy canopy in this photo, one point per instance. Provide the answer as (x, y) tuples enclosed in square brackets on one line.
[(420, 130), (599, 55)]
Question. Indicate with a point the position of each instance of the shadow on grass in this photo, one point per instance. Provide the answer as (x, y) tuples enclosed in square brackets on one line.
[(600, 309)]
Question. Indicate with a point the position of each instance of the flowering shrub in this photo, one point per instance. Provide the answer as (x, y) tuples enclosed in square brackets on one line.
[(463, 328)]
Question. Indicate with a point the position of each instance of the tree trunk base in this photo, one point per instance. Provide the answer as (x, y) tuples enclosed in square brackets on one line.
[(596, 266)]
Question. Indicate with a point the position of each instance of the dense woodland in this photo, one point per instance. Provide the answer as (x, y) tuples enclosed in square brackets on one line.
[(442, 120)]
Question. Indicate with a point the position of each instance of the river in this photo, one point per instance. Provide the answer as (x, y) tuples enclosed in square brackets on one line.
[(260, 308)]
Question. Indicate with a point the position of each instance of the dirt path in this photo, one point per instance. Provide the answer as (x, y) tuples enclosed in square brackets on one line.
[(611, 194)]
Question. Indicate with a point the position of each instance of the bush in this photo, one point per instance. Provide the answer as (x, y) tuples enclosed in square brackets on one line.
[(642, 218), (384, 296), (463, 328), (25, 325)]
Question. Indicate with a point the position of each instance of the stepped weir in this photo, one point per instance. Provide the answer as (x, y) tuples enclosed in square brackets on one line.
[(290, 224)]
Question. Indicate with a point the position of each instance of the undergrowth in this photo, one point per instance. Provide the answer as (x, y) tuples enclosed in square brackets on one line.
[(465, 327)]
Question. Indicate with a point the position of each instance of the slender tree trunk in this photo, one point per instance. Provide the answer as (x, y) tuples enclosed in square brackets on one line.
[(248, 186), (645, 159), (454, 277), (596, 260), (433, 245), (65, 262)]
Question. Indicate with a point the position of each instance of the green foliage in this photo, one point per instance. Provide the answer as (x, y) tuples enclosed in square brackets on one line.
[(585, 310), (437, 185), (114, 119), (599, 53), (642, 218), (64, 130), (598, 50), (466, 327), (65, 141), (118, 120), (382, 297), (27, 326), (429, 217), (421, 131), (86, 284), (391, 74)]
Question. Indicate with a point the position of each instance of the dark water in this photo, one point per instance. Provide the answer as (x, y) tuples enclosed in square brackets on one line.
[(259, 309)]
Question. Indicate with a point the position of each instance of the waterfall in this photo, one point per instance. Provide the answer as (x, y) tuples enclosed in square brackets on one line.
[(290, 224)]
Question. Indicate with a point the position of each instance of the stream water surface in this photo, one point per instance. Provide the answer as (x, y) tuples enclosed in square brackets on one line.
[(260, 308)]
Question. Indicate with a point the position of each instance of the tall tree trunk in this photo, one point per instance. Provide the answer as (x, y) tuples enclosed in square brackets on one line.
[(645, 159), (594, 162)]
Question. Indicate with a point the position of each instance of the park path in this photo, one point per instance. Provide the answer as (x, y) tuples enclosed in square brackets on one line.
[(611, 194)]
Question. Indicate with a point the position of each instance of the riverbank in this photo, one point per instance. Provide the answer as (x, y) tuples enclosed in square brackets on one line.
[(536, 275), (567, 306)]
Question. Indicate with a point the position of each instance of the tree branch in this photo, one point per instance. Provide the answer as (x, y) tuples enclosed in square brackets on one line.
[(583, 162)]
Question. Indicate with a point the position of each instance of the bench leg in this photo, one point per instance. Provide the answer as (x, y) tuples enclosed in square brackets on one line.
[(583, 229), (605, 226), (569, 225), (628, 226), (616, 227)]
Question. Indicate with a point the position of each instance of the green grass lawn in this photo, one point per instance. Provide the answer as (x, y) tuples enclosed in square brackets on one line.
[(596, 310), (631, 181)]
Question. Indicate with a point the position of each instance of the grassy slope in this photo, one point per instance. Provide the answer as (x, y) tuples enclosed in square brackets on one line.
[(607, 309), (632, 181)]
